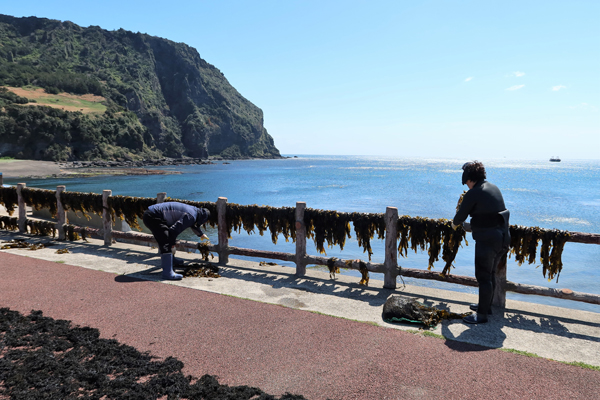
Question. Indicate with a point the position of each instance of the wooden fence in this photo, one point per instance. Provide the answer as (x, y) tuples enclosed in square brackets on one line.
[(389, 268)]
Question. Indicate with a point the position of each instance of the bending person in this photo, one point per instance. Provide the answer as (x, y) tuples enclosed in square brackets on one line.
[(489, 226), (166, 221)]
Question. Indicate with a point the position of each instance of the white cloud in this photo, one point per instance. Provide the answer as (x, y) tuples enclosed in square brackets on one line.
[(516, 87), (469, 79), (518, 74), (585, 106), (558, 87)]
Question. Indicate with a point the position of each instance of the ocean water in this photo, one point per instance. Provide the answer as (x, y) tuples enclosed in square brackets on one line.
[(563, 195)]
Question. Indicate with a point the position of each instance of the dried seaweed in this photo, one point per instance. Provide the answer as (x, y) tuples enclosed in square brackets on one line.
[(42, 228), (201, 271), (401, 309), (43, 358), (70, 233), (22, 244), (433, 235), (524, 243), (84, 203), (129, 208), (9, 223), (332, 268), (40, 199), (362, 267), (253, 217), (9, 198), (334, 228), (204, 251)]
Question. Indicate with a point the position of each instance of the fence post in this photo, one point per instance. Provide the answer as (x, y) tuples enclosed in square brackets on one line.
[(107, 217), (22, 208), (222, 226), (300, 239), (160, 197), (1, 181), (499, 299), (61, 214), (391, 248)]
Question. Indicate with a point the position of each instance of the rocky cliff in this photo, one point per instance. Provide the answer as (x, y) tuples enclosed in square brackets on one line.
[(160, 98)]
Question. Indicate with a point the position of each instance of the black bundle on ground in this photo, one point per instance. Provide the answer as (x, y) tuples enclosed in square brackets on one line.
[(43, 358)]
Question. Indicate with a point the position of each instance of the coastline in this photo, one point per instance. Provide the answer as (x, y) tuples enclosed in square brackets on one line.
[(34, 169)]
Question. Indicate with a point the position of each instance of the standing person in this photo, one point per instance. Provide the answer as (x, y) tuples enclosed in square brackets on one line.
[(489, 226), (166, 221)]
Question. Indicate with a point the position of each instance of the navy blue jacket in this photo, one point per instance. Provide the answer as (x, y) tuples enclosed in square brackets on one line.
[(179, 216)]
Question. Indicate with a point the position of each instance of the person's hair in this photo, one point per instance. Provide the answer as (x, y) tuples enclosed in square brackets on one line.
[(474, 171)]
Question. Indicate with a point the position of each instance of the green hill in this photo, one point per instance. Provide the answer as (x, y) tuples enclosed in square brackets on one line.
[(157, 97)]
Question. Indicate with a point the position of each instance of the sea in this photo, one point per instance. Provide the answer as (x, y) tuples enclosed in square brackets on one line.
[(554, 195)]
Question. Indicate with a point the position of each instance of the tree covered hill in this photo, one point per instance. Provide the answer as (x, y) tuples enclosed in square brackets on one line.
[(161, 98)]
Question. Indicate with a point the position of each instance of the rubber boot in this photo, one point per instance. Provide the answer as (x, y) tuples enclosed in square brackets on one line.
[(177, 262), (167, 268)]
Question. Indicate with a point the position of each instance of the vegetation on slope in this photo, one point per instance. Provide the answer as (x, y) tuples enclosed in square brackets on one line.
[(161, 98)]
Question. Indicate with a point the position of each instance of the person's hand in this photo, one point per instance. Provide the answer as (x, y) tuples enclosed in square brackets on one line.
[(453, 226), (203, 237)]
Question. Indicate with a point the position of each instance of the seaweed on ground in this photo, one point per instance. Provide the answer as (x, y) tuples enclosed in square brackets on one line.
[(45, 358)]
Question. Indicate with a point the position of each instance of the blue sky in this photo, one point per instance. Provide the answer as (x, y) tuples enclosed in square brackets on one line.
[(462, 79)]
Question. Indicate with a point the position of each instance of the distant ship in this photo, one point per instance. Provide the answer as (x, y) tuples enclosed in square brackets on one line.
[(555, 159)]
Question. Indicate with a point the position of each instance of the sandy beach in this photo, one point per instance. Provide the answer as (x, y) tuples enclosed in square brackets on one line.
[(12, 169)]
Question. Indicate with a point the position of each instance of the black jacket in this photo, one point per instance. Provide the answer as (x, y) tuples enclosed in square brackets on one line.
[(485, 204)]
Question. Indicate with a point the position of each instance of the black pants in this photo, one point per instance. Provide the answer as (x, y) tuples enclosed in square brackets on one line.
[(158, 226), (488, 253)]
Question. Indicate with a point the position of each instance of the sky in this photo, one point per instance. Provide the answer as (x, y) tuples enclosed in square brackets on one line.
[(441, 79)]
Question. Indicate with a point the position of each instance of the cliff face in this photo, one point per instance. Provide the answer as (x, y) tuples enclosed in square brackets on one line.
[(177, 103)]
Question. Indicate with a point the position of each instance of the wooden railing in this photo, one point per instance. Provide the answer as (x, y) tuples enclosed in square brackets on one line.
[(389, 268)]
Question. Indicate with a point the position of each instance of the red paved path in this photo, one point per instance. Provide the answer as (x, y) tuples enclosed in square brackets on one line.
[(280, 349)]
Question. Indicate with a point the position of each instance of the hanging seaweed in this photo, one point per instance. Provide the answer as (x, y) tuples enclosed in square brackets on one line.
[(327, 226), (433, 235), (42, 228), (332, 268), (253, 217), (9, 198), (129, 208), (84, 203), (362, 267), (204, 251), (365, 227), (524, 243), (334, 228), (70, 233), (40, 199), (210, 206), (9, 223)]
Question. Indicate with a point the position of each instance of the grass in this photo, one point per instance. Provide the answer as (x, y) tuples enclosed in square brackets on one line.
[(6, 159), (87, 104), (59, 101)]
